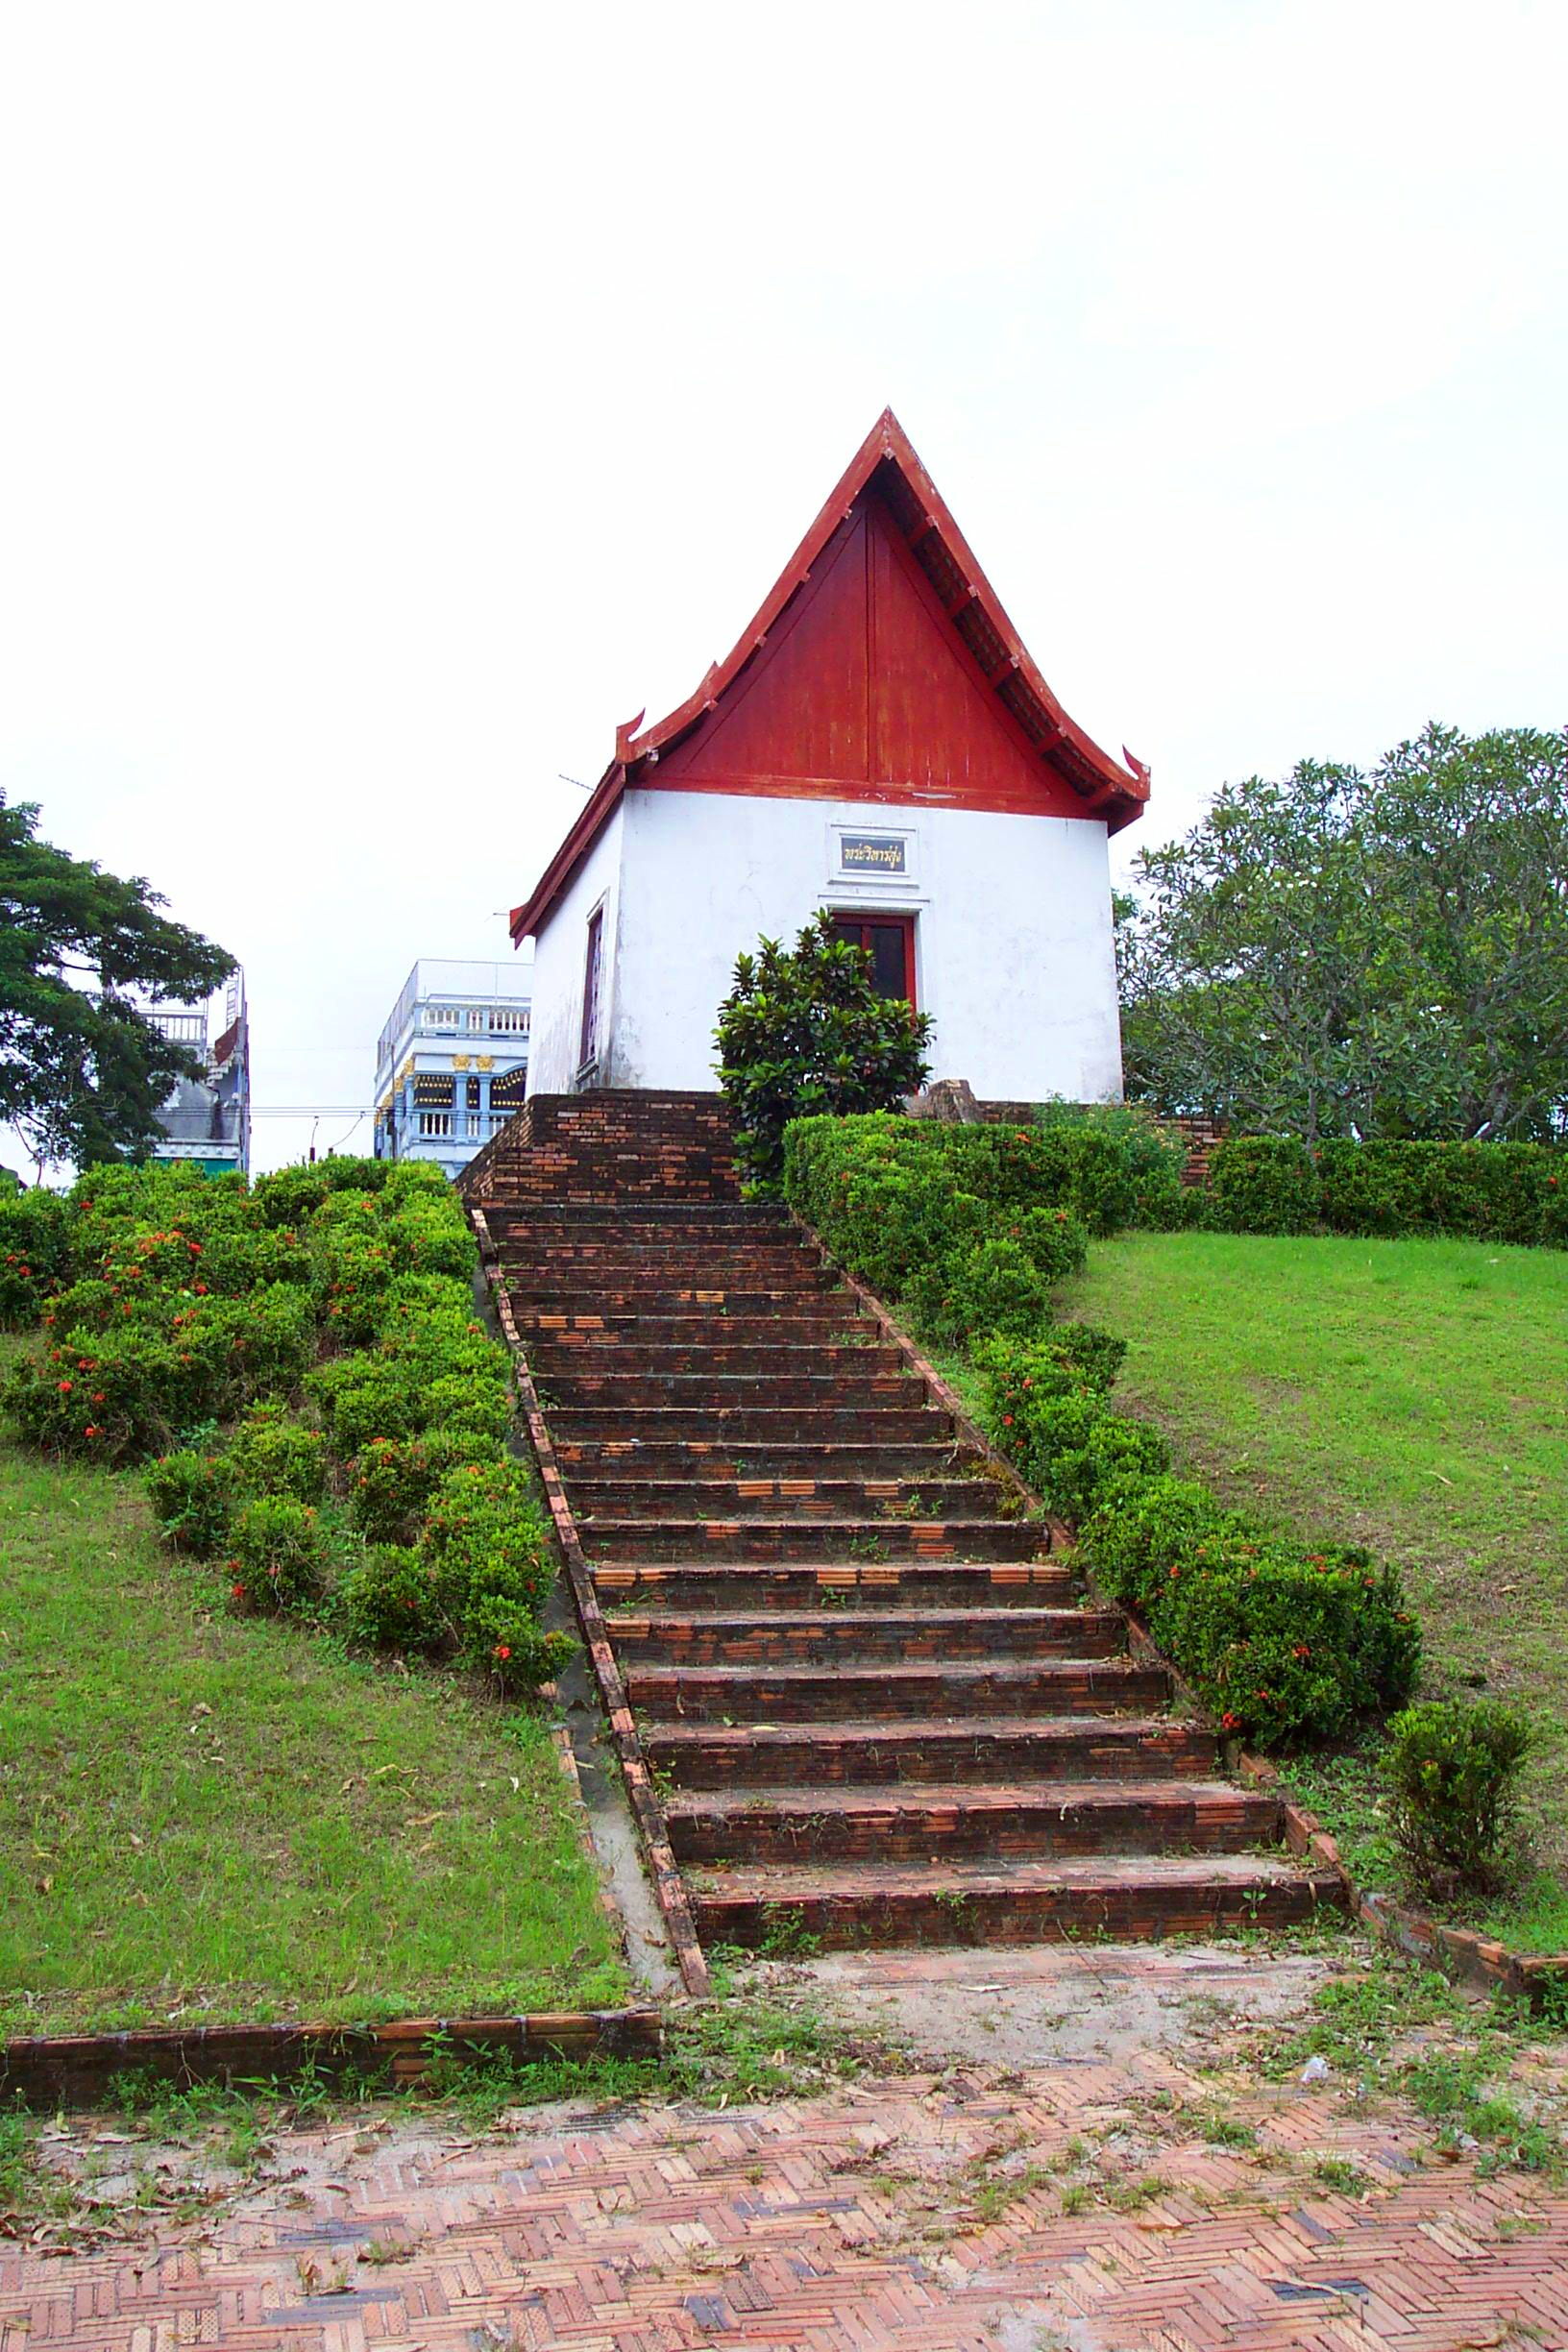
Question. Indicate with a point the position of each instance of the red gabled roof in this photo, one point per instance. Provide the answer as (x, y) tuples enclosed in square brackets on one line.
[(886, 471)]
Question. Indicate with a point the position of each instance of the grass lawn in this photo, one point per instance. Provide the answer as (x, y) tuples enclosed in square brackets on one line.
[(1411, 1395), (223, 1818)]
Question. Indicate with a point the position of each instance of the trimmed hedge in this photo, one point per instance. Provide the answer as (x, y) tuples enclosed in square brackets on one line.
[(328, 1413), (1514, 1193), (1282, 1643)]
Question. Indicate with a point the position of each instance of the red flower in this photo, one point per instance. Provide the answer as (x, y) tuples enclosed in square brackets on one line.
[(238, 1591), (201, 1289), (64, 1387), (91, 1430), (1229, 1721), (1302, 1650), (502, 1650), (1007, 1420)]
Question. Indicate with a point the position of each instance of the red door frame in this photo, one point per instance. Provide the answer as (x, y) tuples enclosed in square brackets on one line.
[(592, 984), (889, 919)]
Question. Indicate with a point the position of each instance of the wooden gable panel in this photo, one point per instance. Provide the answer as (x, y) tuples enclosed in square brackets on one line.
[(865, 687), (799, 709)]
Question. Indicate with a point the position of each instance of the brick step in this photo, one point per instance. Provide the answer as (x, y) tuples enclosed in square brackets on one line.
[(537, 1291), (744, 1424), (750, 1584), (622, 1540), (848, 1696), (631, 1358), (566, 1351), (648, 1211), (569, 1324), (627, 1496), (765, 1266), (694, 1229), (701, 1460), (916, 1752), (1011, 1820), (851, 1636), (1143, 1897), (614, 1395)]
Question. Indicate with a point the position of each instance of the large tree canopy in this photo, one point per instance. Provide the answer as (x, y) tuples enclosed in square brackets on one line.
[(1350, 954), (83, 1070)]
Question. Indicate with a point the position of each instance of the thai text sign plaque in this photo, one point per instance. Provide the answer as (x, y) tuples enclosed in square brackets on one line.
[(872, 853)]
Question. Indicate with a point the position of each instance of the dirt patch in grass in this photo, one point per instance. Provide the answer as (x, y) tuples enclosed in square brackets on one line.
[(204, 1818)]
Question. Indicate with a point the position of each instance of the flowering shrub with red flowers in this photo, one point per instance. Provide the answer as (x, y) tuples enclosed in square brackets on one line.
[(306, 1361), (34, 1254), (281, 1555)]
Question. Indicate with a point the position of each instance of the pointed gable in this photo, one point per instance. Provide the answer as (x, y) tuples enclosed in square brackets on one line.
[(881, 668)]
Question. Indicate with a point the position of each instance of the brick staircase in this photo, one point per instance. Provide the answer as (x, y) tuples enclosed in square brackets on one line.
[(877, 1709)]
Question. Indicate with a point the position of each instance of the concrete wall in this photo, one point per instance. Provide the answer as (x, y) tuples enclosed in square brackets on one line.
[(558, 965), (1014, 950)]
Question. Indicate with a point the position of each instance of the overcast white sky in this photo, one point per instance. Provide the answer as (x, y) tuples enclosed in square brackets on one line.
[(392, 399)]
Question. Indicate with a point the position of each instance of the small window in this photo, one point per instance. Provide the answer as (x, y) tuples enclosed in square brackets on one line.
[(591, 974), (888, 939)]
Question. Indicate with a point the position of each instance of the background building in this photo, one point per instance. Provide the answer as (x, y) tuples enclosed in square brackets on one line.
[(210, 1121), (452, 1063)]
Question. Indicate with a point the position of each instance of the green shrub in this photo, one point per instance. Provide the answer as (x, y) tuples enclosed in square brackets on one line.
[(389, 1600), (271, 1338), (486, 1537), (34, 1255), (1149, 1160), (802, 1030), (293, 1194), (990, 1286), (1081, 1450), (459, 1402), (280, 1556), (365, 1397), (1454, 1771), (240, 1260), (192, 1499), (393, 1479), (502, 1638), (1263, 1185), (271, 1455), (1136, 1540), (117, 1396), (1288, 1650)]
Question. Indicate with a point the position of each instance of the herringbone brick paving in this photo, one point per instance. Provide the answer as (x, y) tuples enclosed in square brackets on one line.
[(920, 2212)]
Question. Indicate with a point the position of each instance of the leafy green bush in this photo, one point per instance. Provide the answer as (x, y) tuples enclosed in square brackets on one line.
[(486, 1536), (1138, 1540), (1504, 1191), (1288, 1648), (990, 1286), (1149, 1162), (393, 1479), (1263, 1185), (272, 1455), (281, 1556), (893, 1197), (193, 1498), (804, 1031), (34, 1254), (1454, 1771), (389, 1600)]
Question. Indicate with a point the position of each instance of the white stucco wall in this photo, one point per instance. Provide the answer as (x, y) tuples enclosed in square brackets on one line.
[(1012, 941), (559, 962)]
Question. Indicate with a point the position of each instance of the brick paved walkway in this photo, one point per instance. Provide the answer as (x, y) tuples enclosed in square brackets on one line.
[(924, 2213)]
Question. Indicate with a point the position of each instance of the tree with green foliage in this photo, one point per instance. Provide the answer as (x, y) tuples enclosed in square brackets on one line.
[(1362, 955), (82, 1069), (804, 1031)]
